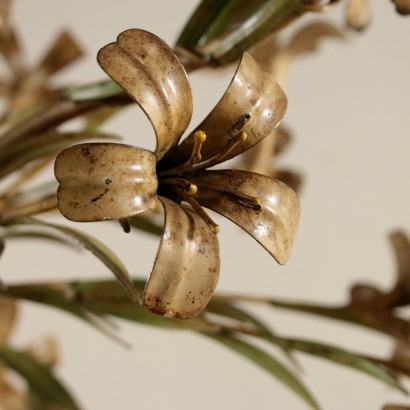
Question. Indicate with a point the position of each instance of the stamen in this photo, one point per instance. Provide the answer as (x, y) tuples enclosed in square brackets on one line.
[(189, 188), (219, 157), (198, 209), (246, 200), (200, 138)]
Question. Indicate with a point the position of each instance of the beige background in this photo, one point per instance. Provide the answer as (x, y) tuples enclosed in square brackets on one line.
[(349, 112)]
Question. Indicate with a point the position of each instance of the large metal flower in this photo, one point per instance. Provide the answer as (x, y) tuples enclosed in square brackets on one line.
[(100, 181)]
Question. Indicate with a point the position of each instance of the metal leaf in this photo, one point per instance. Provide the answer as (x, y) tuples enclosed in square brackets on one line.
[(38, 377), (273, 226), (268, 363), (101, 251), (105, 181), (64, 51), (219, 32), (339, 356), (252, 92), (186, 268), (107, 297), (148, 69)]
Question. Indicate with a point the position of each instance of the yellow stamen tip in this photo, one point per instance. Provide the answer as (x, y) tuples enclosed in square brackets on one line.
[(243, 136), (192, 189), (257, 201), (215, 229), (201, 136)]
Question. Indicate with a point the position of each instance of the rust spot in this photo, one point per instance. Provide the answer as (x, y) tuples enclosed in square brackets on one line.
[(98, 197)]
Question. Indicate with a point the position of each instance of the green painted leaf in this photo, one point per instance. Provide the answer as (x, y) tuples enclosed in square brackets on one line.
[(341, 356), (101, 251), (219, 32), (38, 377), (268, 363), (32, 234), (145, 224), (93, 91), (17, 155), (106, 297), (232, 312)]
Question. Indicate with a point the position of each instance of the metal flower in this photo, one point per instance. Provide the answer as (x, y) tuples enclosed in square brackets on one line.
[(102, 181)]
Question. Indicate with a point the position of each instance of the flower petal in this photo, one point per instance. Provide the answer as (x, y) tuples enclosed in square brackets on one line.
[(252, 91), (149, 70), (105, 181), (273, 226), (186, 269)]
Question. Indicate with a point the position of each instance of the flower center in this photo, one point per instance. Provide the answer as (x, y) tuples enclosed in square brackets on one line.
[(181, 182)]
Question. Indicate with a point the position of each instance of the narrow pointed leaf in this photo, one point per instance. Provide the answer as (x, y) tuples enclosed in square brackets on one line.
[(101, 251), (186, 268), (273, 226), (220, 32), (19, 155), (252, 92), (106, 297), (104, 181), (33, 234), (93, 91), (64, 51), (268, 363), (38, 377), (148, 70), (44, 204), (340, 356), (248, 324)]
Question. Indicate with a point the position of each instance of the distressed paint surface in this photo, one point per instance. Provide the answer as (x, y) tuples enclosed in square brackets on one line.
[(153, 76), (252, 91), (186, 268), (274, 226), (105, 181)]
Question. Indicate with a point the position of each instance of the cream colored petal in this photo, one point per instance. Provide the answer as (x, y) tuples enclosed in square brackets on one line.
[(252, 91), (274, 226), (105, 181), (149, 70), (186, 269)]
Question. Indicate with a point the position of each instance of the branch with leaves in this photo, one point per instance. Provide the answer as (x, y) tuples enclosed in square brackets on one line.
[(106, 180)]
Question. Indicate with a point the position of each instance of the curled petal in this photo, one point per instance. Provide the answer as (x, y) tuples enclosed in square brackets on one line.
[(186, 269), (273, 226), (151, 73), (252, 91), (105, 181)]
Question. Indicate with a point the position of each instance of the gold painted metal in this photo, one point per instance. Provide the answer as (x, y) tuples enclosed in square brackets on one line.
[(153, 76), (186, 268), (105, 181), (274, 225), (114, 181)]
